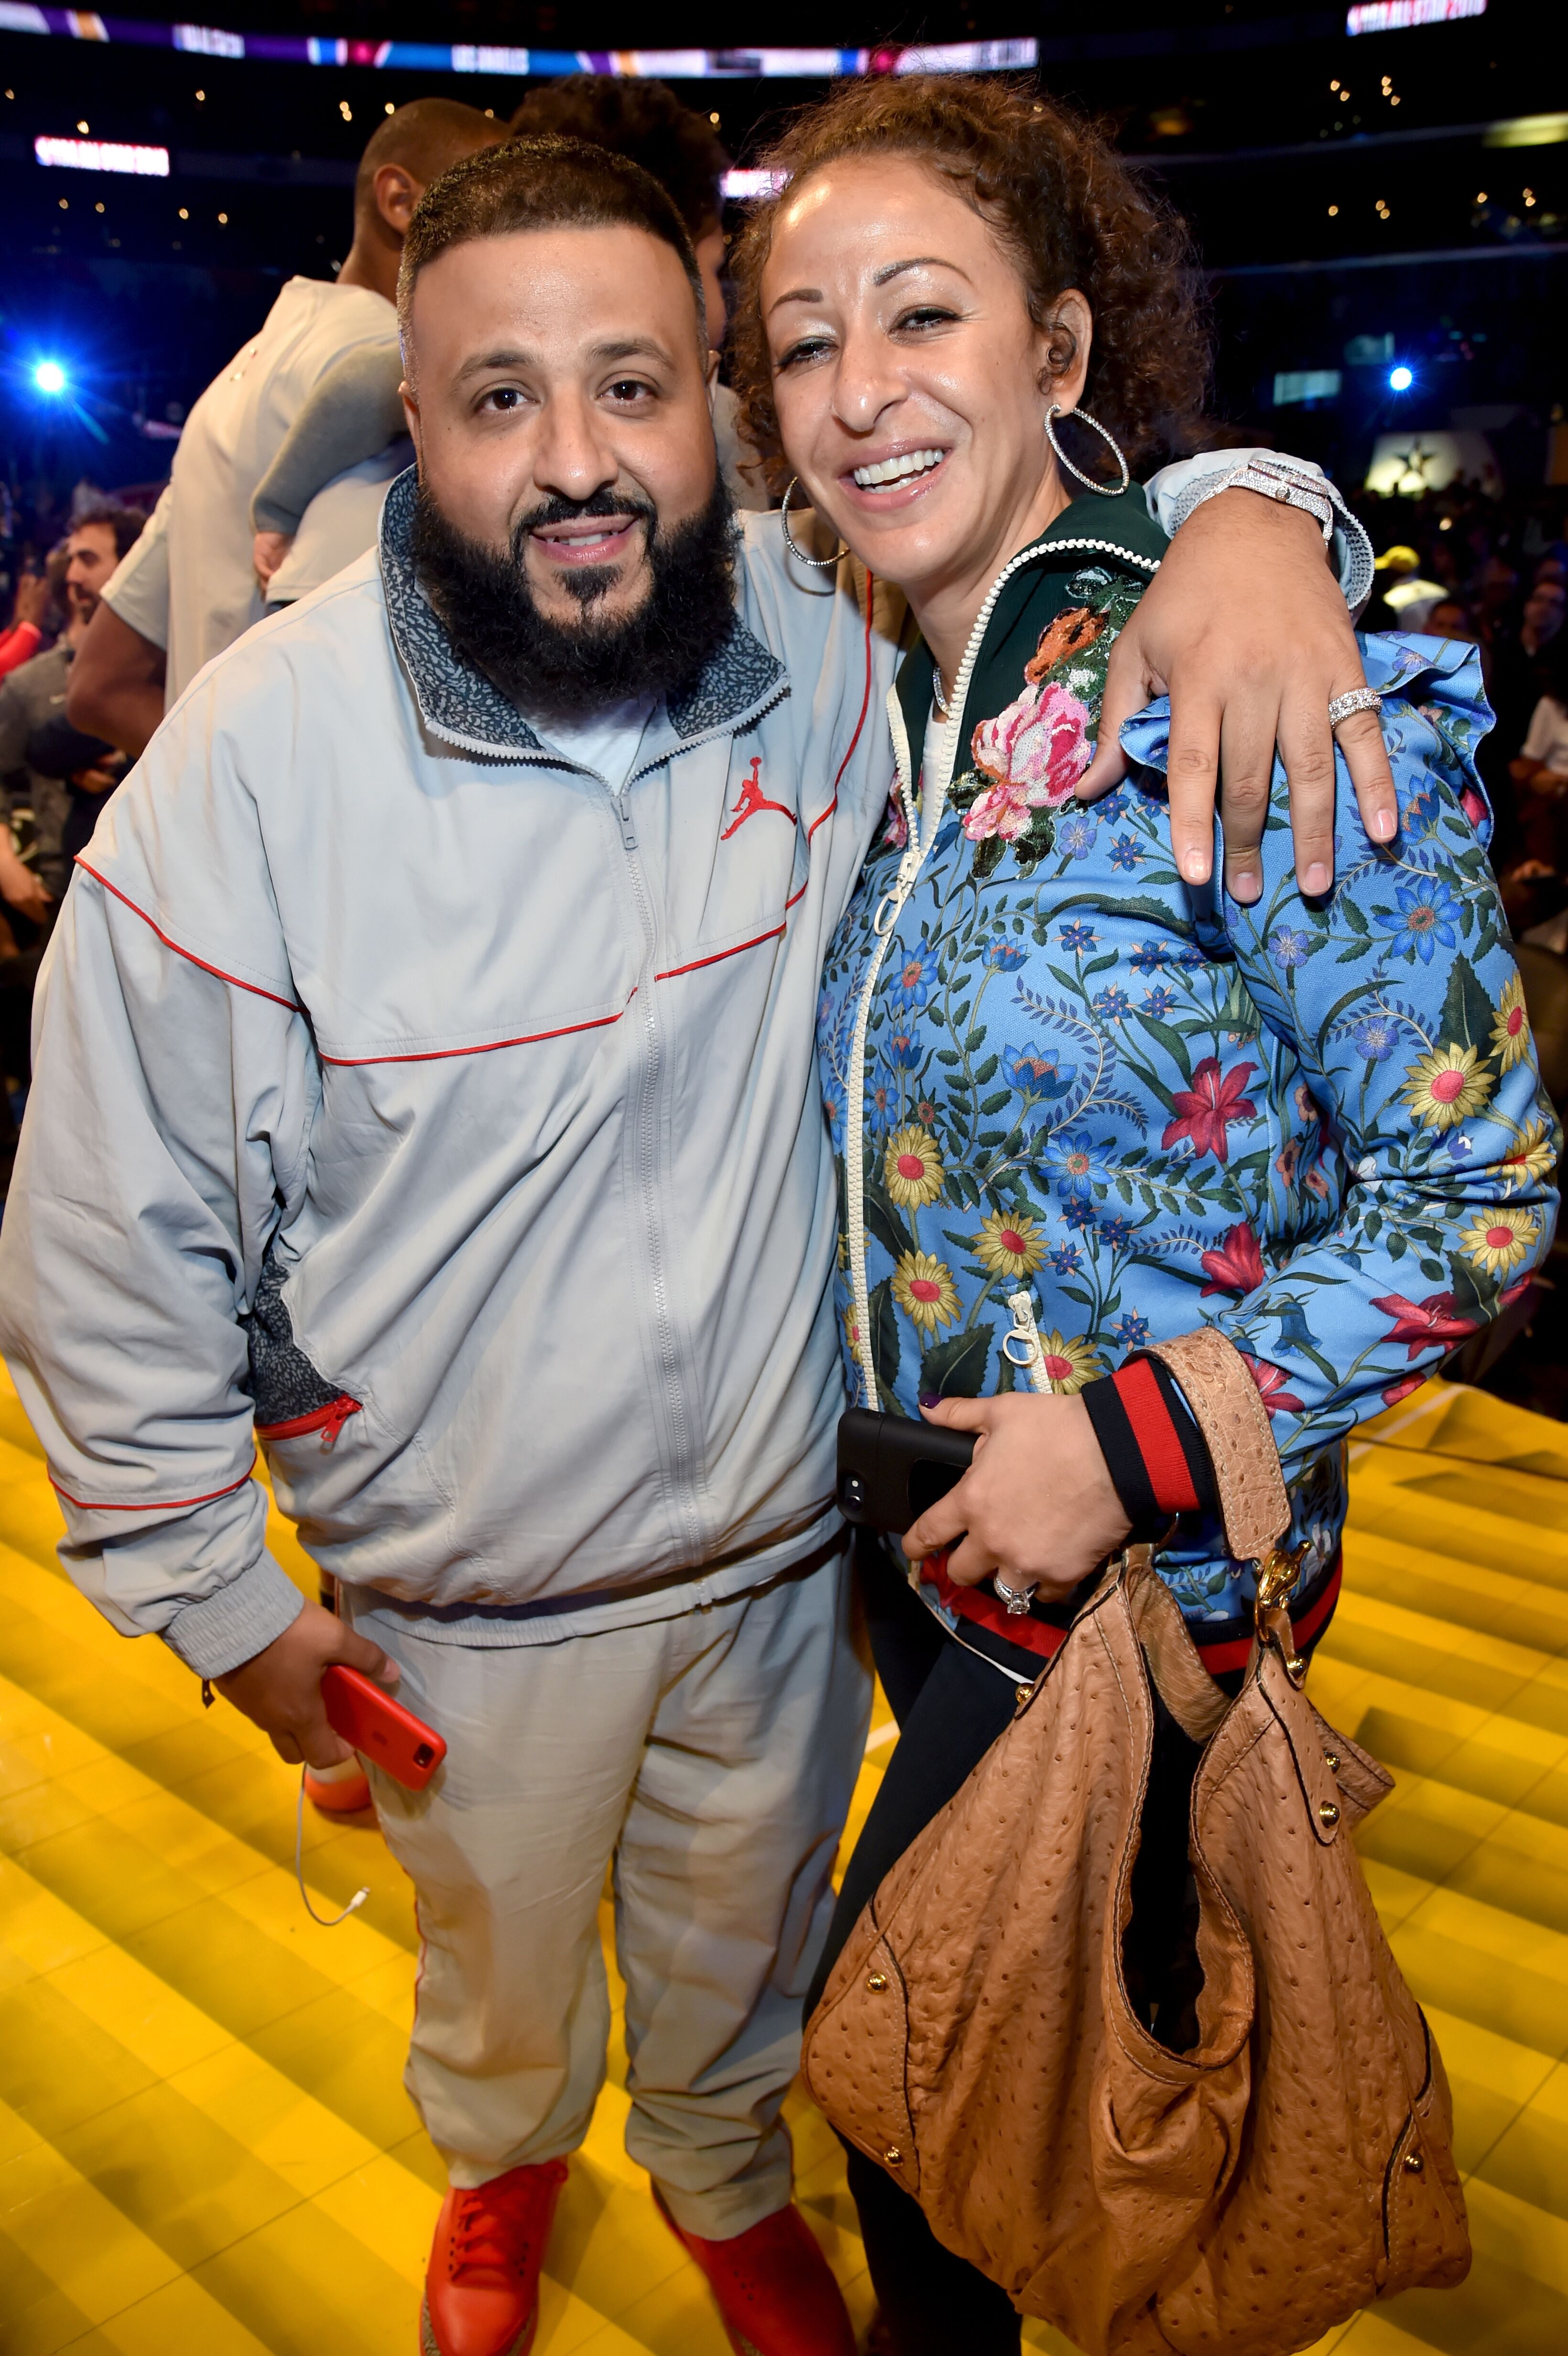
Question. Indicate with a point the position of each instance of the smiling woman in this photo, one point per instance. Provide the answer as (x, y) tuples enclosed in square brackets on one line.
[(1037, 177), (1088, 1109)]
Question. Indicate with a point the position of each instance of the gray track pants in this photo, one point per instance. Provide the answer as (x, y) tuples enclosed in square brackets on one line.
[(711, 1757)]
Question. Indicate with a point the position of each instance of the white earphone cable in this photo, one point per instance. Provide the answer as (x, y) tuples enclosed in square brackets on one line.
[(327, 1921)]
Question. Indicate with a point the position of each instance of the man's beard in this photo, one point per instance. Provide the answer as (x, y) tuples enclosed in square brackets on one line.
[(569, 672)]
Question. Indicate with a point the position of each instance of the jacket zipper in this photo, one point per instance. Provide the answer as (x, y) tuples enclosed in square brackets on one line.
[(922, 840), (328, 1420), (647, 1146), (1030, 1358)]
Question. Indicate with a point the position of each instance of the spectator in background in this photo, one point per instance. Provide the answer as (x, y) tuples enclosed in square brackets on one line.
[(333, 467), (36, 693), (1407, 596), (1494, 588), (1450, 618), (1522, 661), (646, 122), (1543, 617), (35, 807), (29, 618), (191, 589), (1540, 767)]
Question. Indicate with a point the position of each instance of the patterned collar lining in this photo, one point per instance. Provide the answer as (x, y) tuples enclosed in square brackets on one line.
[(470, 710), (1118, 526)]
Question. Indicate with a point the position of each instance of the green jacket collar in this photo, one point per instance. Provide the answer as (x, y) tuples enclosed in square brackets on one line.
[(1117, 530)]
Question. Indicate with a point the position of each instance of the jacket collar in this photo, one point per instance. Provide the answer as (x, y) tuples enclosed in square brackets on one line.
[(462, 704), (1116, 527)]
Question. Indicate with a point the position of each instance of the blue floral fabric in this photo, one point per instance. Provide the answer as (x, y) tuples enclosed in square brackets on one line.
[(1316, 1124)]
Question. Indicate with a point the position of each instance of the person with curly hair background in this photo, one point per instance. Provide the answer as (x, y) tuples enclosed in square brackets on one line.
[(1082, 1099)]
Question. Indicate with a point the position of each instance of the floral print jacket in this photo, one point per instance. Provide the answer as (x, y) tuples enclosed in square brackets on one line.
[(1316, 1124)]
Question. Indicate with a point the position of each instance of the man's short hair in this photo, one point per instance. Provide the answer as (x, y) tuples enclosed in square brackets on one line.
[(644, 121), (541, 184), (426, 137), (127, 524)]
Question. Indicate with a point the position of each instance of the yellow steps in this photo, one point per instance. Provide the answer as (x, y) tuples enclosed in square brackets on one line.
[(204, 2139)]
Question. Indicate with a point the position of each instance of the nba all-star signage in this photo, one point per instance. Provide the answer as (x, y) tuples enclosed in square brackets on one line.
[(462, 56)]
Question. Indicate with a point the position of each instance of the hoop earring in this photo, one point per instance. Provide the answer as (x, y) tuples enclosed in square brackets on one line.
[(1106, 491), (821, 563)]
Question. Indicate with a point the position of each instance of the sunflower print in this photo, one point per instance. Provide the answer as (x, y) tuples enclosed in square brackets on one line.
[(1068, 1365), (1499, 1240), (912, 1168), (923, 1287), (1532, 1156), (1011, 1247), (1511, 1032), (1446, 1088)]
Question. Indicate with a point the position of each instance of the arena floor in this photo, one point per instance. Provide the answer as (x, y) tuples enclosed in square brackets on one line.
[(204, 2139)]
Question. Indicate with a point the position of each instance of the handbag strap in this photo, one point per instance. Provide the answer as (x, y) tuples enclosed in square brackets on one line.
[(1175, 1666), (1220, 1390)]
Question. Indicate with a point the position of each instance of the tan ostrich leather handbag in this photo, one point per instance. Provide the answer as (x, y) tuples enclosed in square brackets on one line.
[(977, 2036)]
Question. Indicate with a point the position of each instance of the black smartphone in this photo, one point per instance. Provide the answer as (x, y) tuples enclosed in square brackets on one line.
[(891, 1467)]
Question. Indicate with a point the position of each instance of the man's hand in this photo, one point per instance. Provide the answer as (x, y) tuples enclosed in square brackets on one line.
[(102, 780), (280, 1689), (1246, 628), (1037, 1503), (268, 551), (21, 888)]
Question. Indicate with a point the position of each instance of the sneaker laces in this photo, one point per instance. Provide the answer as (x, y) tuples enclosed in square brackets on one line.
[(495, 2225)]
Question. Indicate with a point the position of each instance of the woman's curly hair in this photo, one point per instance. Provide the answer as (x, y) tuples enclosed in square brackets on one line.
[(1063, 204)]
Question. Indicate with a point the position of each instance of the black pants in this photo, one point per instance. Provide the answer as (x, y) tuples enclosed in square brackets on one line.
[(950, 1707)]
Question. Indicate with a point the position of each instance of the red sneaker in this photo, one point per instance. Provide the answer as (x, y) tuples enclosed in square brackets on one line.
[(775, 2290), (481, 2289)]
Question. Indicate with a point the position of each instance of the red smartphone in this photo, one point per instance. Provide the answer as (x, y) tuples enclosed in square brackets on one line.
[(366, 1716)]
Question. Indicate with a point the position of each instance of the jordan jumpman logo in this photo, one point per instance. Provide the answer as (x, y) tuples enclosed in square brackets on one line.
[(754, 799)]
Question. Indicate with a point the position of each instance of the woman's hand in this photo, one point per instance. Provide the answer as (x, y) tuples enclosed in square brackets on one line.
[(1247, 629), (1037, 1503)]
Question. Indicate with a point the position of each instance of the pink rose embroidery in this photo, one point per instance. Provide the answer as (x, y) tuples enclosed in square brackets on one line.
[(1033, 754)]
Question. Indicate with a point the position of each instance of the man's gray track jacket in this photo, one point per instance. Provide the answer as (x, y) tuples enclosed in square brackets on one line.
[(404, 1095)]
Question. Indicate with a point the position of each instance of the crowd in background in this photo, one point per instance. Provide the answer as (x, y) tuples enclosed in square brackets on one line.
[(1458, 563), (53, 779)]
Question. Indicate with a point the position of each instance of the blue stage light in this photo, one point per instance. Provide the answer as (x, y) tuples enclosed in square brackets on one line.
[(1401, 379), (50, 377)]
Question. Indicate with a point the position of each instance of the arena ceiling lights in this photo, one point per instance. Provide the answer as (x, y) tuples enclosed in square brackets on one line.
[(1403, 16), (470, 57), (104, 156)]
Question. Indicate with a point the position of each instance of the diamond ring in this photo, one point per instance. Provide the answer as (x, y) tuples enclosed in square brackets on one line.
[(1016, 1599), (1359, 698)]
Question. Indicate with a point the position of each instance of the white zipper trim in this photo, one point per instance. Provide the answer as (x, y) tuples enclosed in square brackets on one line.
[(922, 837)]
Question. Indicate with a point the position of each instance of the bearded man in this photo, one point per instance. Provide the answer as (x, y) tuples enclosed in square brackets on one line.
[(426, 1085)]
